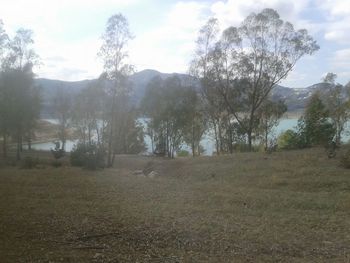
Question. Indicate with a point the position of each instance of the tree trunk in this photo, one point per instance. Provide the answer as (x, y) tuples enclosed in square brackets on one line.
[(230, 140), (29, 143), (216, 139), (266, 138), (4, 146), (89, 134), (250, 139), (111, 134), (193, 146), (220, 138), (18, 152)]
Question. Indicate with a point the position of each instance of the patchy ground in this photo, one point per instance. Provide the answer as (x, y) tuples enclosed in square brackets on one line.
[(285, 207)]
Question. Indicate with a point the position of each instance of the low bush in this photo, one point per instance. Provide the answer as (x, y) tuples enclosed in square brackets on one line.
[(345, 159), (182, 153), (56, 163), (88, 156), (29, 162), (288, 140)]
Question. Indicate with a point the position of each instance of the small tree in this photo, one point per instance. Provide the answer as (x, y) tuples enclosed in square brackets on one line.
[(63, 112), (269, 115), (113, 53), (315, 127), (337, 103)]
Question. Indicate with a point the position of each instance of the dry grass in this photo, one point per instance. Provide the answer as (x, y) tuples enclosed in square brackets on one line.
[(285, 207)]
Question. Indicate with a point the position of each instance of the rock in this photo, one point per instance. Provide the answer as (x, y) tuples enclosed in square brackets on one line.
[(98, 255), (138, 173), (152, 174)]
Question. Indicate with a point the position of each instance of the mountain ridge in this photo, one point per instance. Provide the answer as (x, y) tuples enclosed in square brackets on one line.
[(295, 98)]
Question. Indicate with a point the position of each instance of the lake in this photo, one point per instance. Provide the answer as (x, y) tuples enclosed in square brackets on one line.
[(207, 142)]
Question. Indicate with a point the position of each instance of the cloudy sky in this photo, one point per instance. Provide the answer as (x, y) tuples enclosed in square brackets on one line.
[(67, 32)]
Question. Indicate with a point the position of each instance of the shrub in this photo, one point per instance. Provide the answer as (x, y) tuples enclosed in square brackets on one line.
[(87, 156), (29, 162), (244, 147), (56, 163), (288, 140), (182, 153), (345, 160)]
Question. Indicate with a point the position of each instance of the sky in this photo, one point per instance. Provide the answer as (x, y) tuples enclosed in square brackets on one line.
[(67, 33)]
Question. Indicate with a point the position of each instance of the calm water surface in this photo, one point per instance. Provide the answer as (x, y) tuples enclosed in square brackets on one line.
[(207, 142)]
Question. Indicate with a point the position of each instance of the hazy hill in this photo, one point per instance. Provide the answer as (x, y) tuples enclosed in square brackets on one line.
[(295, 98)]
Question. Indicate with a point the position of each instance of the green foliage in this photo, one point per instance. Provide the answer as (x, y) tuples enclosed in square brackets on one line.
[(87, 156), (288, 140), (315, 127), (269, 115), (171, 108), (243, 66), (130, 136), (244, 147), (182, 153)]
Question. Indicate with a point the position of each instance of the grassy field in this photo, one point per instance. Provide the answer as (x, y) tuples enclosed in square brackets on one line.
[(249, 207)]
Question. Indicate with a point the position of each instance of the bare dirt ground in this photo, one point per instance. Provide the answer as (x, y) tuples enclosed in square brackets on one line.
[(249, 207)]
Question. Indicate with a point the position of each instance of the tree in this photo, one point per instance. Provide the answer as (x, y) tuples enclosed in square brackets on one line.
[(247, 62), (337, 103), (269, 115), (63, 112), (314, 127), (169, 105), (87, 115), (197, 126), (212, 102), (21, 52), (113, 53), (20, 98)]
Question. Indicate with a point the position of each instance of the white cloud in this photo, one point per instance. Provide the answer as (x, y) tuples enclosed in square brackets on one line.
[(51, 21), (335, 7), (232, 12), (341, 58), (169, 47), (67, 32), (337, 26)]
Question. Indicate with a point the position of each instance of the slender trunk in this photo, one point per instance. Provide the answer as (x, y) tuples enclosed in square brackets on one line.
[(152, 142), (29, 143), (18, 152), (216, 139), (220, 138), (230, 140), (89, 134), (98, 136), (193, 144), (111, 133), (266, 135), (250, 139), (250, 130), (4, 145), (21, 143)]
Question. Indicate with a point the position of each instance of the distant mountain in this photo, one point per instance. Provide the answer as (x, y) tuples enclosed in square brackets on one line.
[(141, 79), (138, 80), (295, 98)]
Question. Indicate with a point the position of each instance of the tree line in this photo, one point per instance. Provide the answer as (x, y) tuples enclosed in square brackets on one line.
[(19, 99), (228, 93)]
